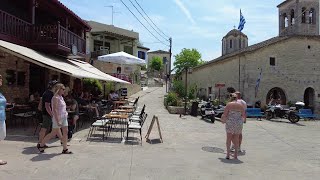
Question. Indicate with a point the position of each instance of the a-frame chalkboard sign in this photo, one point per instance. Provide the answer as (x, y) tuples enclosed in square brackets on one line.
[(155, 118)]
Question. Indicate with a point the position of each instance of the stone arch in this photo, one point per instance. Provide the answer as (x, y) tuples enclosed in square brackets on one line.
[(276, 95), (309, 98)]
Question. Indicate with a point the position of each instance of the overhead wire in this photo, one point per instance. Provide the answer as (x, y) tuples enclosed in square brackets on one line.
[(151, 19), (148, 21), (143, 24)]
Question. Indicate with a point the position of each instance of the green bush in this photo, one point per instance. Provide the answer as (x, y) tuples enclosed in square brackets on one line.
[(192, 91), (172, 99), (179, 88), (90, 84)]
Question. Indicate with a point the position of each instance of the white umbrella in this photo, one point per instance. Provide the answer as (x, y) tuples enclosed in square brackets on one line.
[(121, 58)]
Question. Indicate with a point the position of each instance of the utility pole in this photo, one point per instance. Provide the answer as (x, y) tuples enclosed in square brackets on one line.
[(112, 12), (168, 75)]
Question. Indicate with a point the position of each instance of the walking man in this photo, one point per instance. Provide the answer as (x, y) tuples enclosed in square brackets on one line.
[(47, 112)]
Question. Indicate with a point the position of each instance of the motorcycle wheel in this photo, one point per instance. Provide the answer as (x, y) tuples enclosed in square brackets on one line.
[(213, 118), (268, 115), (293, 118)]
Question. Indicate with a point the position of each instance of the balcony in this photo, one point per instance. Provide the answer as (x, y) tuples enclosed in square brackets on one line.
[(102, 52), (122, 76), (45, 37)]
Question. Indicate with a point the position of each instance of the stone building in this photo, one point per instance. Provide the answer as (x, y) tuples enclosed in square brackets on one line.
[(284, 68)]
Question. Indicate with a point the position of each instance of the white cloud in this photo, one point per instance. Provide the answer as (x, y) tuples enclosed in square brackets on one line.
[(185, 10)]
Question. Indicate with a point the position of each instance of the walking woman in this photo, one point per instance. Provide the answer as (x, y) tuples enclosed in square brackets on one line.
[(3, 103), (59, 119), (233, 116)]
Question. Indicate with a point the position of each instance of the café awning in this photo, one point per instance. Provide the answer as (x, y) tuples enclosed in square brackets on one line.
[(61, 65)]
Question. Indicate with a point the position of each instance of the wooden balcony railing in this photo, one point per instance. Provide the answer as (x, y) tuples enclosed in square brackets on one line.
[(11, 26), (39, 35)]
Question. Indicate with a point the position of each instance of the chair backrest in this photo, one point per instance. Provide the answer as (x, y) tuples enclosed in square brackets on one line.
[(144, 119), (135, 103), (142, 111)]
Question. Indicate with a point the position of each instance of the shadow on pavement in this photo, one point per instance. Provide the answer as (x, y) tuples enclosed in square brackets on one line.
[(44, 157), (154, 141), (230, 161), (285, 121), (212, 149)]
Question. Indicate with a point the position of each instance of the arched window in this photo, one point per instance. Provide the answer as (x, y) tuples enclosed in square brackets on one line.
[(292, 17), (303, 15), (230, 43), (312, 16), (285, 20), (118, 70)]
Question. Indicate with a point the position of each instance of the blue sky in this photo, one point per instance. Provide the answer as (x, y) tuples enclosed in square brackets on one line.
[(199, 24)]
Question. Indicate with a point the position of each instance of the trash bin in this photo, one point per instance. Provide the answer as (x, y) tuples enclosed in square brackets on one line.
[(194, 109)]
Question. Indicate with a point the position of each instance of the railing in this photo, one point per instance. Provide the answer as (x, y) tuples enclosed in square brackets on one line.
[(122, 76), (14, 27), (40, 35), (68, 38)]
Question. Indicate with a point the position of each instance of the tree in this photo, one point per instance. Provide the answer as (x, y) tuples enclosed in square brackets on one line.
[(187, 58), (156, 63)]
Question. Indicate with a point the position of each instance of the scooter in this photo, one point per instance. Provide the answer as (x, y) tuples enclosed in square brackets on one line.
[(207, 111)]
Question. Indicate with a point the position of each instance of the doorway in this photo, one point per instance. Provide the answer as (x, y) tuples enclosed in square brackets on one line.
[(276, 96), (37, 79), (308, 98)]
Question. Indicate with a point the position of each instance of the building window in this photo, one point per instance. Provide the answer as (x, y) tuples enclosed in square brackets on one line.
[(292, 17), (312, 16), (230, 43), (303, 15), (272, 61), (21, 78), (128, 49), (118, 70), (141, 55), (10, 77), (285, 20), (209, 90)]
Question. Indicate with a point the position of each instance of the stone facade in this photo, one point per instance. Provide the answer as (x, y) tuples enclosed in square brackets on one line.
[(299, 17), (295, 70)]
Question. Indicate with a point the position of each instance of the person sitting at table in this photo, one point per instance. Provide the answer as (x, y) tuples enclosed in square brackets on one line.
[(84, 102), (113, 96)]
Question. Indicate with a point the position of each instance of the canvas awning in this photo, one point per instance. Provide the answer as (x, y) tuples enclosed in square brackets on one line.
[(61, 65)]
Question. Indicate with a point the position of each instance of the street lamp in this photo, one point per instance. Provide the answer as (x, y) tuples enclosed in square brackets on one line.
[(166, 76), (188, 70)]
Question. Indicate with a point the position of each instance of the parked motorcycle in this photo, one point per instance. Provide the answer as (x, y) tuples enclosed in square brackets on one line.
[(207, 111), (275, 111), (292, 115)]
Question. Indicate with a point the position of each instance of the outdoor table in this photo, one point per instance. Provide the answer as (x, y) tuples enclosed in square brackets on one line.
[(126, 107), (123, 110), (118, 103), (121, 117)]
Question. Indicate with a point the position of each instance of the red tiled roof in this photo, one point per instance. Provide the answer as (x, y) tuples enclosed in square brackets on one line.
[(72, 13)]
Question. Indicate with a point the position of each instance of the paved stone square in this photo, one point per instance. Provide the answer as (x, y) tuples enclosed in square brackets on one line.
[(192, 149)]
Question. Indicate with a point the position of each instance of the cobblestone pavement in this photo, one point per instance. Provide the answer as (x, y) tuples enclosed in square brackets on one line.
[(192, 149)]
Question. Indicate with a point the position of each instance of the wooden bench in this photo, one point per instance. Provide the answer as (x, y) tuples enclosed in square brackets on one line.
[(254, 112), (306, 113)]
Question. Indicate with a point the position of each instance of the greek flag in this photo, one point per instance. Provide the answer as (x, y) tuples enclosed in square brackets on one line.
[(257, 84), (242, 22)]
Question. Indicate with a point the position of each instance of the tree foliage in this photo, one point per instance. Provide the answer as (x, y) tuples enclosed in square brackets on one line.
[(156, 63), (187, 58)]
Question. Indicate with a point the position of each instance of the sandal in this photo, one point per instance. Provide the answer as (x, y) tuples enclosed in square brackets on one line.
[(3, 162), (41, 149), (227, 157), (44, 146), (66, 151)]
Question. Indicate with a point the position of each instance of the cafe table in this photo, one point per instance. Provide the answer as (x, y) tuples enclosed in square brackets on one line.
[(122, 118)]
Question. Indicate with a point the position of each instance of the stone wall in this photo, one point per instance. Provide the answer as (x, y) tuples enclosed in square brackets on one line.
[(12, 91), (296, 69)]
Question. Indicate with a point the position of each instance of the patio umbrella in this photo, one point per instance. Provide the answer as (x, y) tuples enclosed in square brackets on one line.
[(121, 58)]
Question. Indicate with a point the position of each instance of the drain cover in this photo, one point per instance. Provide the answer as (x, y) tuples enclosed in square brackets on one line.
[(212, 149)]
